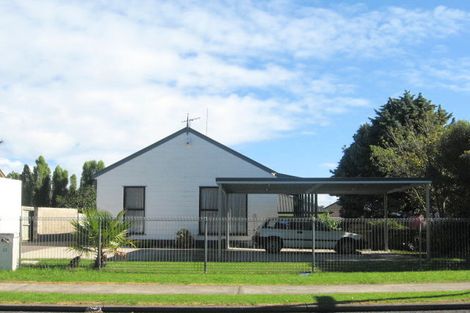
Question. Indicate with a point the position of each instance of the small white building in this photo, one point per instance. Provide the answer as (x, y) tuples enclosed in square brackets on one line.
[(10, 205), (10, 212), (176, 177)]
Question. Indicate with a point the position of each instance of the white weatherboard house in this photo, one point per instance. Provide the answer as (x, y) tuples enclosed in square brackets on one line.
[(176, 177)]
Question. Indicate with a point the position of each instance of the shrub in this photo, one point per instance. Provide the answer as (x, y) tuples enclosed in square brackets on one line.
[(328, 221), (450, 238), (399, 234), (184, 239)]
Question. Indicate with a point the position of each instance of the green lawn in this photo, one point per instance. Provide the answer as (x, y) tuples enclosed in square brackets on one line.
[(254, 273), (228, 274), (226, 300)]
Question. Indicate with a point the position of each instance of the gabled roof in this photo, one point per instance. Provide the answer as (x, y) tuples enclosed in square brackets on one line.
[(196, 133)]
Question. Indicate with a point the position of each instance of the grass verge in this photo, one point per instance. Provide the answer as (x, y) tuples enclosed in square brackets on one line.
[(232, 300), (87, 275)]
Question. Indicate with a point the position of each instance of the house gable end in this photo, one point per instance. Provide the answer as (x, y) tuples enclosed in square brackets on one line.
[(176, 134)]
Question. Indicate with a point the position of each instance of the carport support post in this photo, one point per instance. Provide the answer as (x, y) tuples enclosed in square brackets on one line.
[(386, 222), (316, 205), (219, 222), (428, 222), (313, 244)]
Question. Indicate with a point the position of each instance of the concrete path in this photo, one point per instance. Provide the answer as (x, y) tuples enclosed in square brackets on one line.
[(114, 288)]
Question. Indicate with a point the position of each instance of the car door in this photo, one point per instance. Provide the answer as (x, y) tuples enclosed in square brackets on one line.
[(291, 233), (325, 237), (307, 233)]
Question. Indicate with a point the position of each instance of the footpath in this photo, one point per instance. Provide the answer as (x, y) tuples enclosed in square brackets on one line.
[(154, 289)]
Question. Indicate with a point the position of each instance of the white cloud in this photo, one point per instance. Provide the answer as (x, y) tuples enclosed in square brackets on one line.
[(451, 74), (93, 80), (8, 166)]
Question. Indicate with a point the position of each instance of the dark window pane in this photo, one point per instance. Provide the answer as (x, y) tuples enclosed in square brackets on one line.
[(134, 206), (134, 197)]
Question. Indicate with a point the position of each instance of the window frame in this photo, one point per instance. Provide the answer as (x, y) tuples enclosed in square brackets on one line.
[(135, 209), (201, 230)]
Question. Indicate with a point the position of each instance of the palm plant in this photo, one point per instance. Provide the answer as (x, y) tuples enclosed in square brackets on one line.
[(100, 233)]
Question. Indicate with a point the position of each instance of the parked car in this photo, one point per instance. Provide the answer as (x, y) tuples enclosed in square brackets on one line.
[(278, 233)]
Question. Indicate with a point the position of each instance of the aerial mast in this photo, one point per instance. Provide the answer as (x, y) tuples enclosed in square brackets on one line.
[(188, 125)]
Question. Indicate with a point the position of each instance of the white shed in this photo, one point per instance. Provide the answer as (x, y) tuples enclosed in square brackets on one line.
[(176, 177)]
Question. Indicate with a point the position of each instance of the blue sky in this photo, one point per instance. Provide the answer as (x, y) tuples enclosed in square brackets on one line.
[(286, 83)]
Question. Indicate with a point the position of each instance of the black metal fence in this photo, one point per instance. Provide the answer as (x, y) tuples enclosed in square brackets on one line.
[(268, 245)]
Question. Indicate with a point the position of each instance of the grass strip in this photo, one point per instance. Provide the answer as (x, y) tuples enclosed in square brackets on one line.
[(241, 278), (231, 300)]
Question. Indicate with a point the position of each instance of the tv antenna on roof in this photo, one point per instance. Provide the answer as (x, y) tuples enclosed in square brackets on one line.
[(188, 124), (189, 120)]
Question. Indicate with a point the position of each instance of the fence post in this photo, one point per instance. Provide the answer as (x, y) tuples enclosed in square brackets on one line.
[(420, 246), (227, 231), (99, 245), (205, 245), (386, 248), (20, 240), (313, 244), (428, 222)]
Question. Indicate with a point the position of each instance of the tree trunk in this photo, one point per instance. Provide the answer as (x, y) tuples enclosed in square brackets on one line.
[(100, 260)]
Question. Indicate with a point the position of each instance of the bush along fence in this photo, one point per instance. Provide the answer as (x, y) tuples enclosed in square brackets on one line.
[(268, 245)]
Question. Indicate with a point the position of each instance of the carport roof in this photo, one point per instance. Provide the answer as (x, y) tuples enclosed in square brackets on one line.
[(333, 186)]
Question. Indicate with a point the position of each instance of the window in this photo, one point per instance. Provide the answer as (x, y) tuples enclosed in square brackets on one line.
[(134, 207), (208, 207)]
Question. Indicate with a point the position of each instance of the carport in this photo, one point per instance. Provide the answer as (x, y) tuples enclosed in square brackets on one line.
[(332, 186)]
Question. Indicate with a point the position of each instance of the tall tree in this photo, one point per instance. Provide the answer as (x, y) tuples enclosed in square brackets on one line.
[(42, 183), (28, 186), (90, 168), (399, 141), (85, 196), (73, 184), (452, 168), (60, 180)]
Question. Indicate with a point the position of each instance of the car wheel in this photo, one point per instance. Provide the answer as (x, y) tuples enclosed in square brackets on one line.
[(346, 246), (273, 245)]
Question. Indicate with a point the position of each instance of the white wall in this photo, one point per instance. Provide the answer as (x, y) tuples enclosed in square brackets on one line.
[(172, 174), (10, 205), (53, 221)]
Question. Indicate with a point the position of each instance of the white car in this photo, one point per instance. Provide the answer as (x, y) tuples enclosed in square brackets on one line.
[(278, 233)]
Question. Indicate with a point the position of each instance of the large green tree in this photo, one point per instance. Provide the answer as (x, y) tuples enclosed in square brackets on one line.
[(452, 170), (400, 141), (42, 183), (85, 196), (60, 180), (73, 184), (90, 168)]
